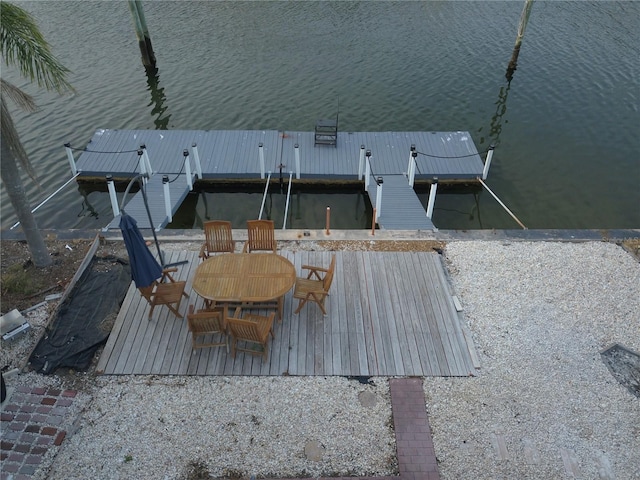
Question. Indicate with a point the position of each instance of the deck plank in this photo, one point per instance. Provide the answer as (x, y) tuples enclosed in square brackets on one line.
[(388, 313)]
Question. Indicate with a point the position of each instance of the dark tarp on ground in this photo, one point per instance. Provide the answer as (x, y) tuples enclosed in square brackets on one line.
[(75, 334)]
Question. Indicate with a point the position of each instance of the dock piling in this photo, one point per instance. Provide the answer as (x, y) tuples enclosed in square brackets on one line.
[(411, 168), (167, 197), (297, 156), (196, 159), (432, 197), (187, 169), (379, 182), (147, 162), (361, 163), (72, 161), (487, 162), (113, 196), (261, 158)]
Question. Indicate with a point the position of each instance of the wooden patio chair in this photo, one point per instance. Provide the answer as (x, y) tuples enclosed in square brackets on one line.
[(314, 289), (207, 322), (166, 291), (252, 330), (261, 236), (218, 238)]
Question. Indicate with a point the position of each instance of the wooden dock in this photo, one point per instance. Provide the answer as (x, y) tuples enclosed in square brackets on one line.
[(389, 313), (245, 155)]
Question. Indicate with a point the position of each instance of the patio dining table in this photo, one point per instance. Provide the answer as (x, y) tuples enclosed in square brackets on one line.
[(252, 279)]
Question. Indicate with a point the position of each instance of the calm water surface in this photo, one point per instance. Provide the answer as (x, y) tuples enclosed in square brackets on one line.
[(566, 127)]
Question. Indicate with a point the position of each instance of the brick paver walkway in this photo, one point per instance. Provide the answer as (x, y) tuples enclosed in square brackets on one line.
[(32, 418), (31, 421), (414, 445)]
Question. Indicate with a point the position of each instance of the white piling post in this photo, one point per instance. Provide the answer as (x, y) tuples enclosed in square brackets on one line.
[(187, 168), (72, 161), (487, 162), (196, 159), (147, 162), (361, 163), (143, 166), (367, 170), (112, 196), (297, 153), (412, 167), (432, 197), (379, 181), (261, 157), (409, 166), (167, 197)]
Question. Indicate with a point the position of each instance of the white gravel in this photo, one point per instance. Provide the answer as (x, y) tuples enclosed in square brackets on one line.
[(540, 313), (168, 427)]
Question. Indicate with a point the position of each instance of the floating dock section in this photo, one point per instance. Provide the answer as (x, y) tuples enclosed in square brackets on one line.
[(400, 159)]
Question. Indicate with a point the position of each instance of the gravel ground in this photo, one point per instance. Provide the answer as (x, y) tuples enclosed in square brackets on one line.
[(540, 314)]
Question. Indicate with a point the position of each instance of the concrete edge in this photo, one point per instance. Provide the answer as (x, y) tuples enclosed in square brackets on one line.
[(178, 235)]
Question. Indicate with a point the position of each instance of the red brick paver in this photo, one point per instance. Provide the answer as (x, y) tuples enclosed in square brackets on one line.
[(29, 420), (416, 455)]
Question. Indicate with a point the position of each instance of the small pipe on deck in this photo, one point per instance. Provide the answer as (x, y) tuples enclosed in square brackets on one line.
[(432, 198)]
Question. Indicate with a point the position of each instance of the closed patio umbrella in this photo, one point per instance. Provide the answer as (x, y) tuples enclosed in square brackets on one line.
[(144, 267)]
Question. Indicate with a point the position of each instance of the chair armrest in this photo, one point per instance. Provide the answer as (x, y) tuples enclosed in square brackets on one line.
[(314, 271), (202, 251), (166, 273)]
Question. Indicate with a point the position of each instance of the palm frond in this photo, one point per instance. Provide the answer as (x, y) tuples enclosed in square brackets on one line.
[(24, 46), (23, 100)]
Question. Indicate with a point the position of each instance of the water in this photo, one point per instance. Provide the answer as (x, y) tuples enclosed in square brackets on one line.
[(566, 126)]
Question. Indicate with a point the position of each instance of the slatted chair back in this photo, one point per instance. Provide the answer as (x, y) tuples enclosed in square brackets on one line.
[(328, 277), (250, 329), (203, 323), (166, 291), (314, 289), (261, 236), (218, 238)]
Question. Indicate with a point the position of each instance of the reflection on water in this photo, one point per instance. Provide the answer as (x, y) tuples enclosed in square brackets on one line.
[(349, 210), (160, 120), (570, 130)]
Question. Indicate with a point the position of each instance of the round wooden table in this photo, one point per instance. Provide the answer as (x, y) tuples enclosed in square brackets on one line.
[(251, 278)]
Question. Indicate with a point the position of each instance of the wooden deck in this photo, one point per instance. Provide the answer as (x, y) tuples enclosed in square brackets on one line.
[(389, 314)]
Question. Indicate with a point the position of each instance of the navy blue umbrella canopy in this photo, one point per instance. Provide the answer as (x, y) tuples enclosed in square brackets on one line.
[(144, 267)]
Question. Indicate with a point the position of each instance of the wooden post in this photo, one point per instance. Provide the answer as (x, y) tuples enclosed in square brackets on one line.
[(524, 18), (142, 33)]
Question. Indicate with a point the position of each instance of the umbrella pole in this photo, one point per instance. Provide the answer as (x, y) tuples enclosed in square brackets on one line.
[(153, 230), (139, 178)]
